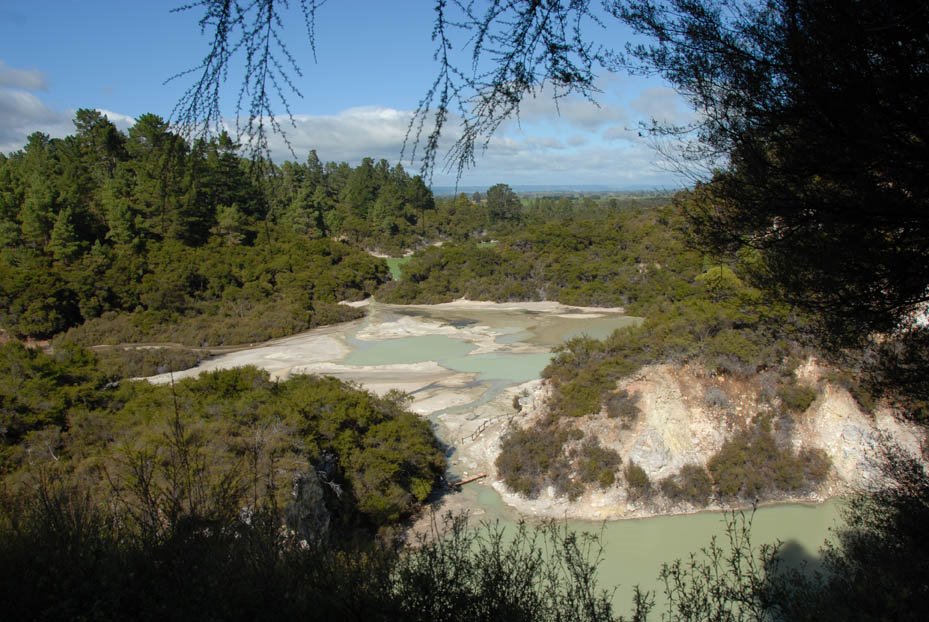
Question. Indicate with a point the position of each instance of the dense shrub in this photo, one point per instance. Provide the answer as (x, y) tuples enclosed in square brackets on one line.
[(529, 457), (241, 295), (237, 429), (623, 406), (796, 397), (638, 485), (731, 351), (597, 464), (582, 395), (602, 257), (816, 464), (39, 391), (141, 362), (547, 454), (751, 464), (691, 484)]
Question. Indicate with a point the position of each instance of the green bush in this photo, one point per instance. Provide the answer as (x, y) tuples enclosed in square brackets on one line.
[(597, 464), (141, 362), (731, 351), (236, 427), (620, 405), (583, 393), (638, 485), (533, 458), (692, 484), (529, 457), (750, 465), (816, 464), (795, 397)]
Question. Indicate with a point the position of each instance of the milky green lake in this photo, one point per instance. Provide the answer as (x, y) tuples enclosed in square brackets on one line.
[(633, 550)]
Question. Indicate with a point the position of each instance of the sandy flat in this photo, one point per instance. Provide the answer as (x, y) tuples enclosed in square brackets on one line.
[(278, 357), (544, 306)]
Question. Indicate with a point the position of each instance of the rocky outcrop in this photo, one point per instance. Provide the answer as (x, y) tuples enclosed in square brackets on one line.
[(835, 423), (685, 417)]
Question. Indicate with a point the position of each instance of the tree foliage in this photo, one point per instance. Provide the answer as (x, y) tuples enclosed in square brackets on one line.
[(251, 31), (814, 113), (143, 236), (237, 433)]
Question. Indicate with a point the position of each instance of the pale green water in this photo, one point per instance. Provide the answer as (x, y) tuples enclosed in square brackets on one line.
[(408, 350), (454, 354), (550, 331), (633, 549), (517, 368)]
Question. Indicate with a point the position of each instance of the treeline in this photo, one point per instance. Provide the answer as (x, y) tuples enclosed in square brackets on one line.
[(373, 205), (103, 223), (581, 252), (144, 237)]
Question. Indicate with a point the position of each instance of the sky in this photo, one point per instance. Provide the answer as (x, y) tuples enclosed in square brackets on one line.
[(374, 62)]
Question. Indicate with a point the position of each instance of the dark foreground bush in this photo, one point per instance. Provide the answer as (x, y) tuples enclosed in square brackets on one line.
[(62, 558)]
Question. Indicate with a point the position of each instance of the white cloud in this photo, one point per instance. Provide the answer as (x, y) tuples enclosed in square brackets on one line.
[(620, 132), (120, 120), (577, 148), (346, 137), (26, 79), (573, 111), (526, 154), (577, 140), (22, 113), (615, 165), (664, 105)]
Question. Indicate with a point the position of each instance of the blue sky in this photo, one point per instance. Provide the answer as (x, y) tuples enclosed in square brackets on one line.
[(374, 63)]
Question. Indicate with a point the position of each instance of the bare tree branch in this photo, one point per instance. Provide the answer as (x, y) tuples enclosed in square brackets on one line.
[(249, 30), (517, 48)]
